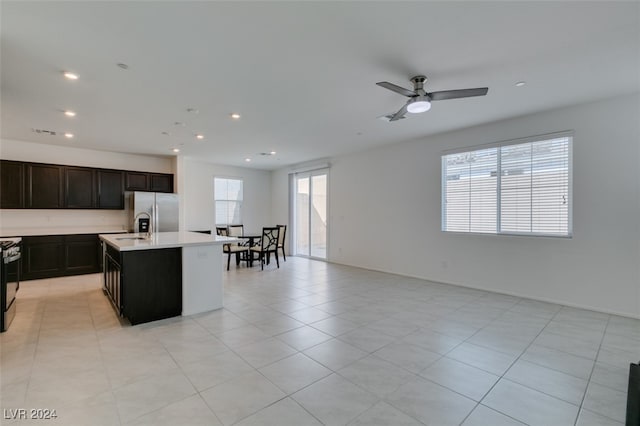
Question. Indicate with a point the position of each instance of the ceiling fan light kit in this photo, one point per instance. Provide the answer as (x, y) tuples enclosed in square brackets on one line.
[(420, 101), (418, 105)]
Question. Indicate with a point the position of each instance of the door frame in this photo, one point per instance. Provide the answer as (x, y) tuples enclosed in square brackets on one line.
[(294, 190)]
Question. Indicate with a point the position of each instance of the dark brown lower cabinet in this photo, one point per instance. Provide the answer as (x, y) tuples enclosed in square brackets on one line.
[(42, 257), (144, 285), (82, 254), (60, 255)]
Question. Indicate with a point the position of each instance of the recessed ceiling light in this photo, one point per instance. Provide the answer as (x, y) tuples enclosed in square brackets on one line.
[(199, 136), (272, 153), (248, 160), (123, 66), (70, 76), (175, 150), (520, 83), (70, 113), (165, 133), (235, 116), (68, 135)]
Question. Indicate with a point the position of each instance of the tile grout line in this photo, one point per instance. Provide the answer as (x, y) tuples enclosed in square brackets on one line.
[(595, 361), (286, 395), (379, 294), (106, 371), (511, 365)]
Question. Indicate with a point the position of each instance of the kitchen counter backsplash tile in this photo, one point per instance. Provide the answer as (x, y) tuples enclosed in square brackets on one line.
[(61, 230), (31, 222)]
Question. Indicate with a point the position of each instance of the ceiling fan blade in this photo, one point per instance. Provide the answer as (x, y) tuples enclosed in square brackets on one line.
[(397, 89), (455, 94), (400, 114)]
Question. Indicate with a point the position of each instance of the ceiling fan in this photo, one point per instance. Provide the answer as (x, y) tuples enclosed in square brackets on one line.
[(420, 101)]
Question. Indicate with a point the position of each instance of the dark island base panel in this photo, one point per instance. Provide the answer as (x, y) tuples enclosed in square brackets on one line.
[(633, 396), (151, 284)]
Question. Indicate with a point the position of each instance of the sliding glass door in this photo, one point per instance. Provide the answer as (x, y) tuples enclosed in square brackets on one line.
[(311, 214)]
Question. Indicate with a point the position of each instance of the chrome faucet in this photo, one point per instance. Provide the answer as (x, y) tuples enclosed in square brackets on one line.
[(135, 220)]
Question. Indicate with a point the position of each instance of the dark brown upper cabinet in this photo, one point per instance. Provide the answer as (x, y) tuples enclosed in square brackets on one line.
[(53, 186), (137, 181), (79, 188), (110, 189), (11, 184), (154, 182), (161, 182), (44, 189), (88, 188)]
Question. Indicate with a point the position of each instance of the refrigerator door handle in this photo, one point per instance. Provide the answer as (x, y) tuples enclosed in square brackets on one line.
[(156, 218)]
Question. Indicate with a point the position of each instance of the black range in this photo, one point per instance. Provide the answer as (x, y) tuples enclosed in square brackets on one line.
[(9, 279)]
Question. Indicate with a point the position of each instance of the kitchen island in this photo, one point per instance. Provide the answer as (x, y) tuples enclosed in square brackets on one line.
[(164, 275)]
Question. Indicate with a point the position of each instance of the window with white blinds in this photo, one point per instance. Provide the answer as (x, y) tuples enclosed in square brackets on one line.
[(511, 188), (228, 201)]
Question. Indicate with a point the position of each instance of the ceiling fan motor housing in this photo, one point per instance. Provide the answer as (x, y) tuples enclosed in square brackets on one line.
[(418, 84)]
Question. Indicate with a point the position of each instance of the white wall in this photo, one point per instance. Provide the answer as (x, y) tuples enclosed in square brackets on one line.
[(597, 268), (280, 200), (43, 153), (71, 156), (197, 195)]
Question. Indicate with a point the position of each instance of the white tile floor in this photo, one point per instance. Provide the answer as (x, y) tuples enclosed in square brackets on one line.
[(314, 343)]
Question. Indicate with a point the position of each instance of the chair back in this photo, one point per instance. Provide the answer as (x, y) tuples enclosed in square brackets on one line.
[(223, 232), (236, 230), (270, 238), (281, 235)]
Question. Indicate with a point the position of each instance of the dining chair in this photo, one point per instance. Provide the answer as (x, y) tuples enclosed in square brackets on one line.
[(281, 235), (238, 231), (232, 248), (268, 245)]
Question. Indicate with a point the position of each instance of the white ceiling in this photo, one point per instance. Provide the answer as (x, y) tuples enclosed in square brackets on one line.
[(302, 74)]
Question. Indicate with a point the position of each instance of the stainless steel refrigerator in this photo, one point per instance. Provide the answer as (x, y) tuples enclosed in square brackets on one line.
[(162, 207)]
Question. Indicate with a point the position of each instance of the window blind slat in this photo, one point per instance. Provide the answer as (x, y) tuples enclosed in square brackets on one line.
[(228, 201), (533, 190)]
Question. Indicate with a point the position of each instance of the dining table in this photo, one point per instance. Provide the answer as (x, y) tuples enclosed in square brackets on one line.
[(253, 239)]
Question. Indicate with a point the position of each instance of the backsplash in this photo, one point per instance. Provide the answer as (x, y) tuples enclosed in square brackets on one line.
[(28, 218)]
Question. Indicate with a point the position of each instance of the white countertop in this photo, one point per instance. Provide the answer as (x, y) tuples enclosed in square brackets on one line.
[(160, 240), (60, 230)]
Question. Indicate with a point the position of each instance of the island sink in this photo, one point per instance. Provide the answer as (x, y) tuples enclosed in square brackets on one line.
[(169, 274)]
